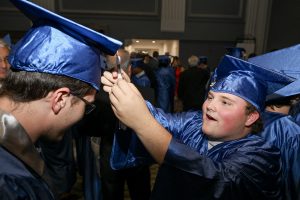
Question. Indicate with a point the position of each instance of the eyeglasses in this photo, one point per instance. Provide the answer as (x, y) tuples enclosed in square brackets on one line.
[(4, 60), (89, 107)]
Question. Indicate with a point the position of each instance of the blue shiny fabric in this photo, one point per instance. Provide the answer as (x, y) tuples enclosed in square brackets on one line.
[(247, 168), (246, 80), (287, 91), (283, 132), (297, 118), (57, 45), (166, 81), (142, 80), (285, 60), (243, 84), (54, 52)]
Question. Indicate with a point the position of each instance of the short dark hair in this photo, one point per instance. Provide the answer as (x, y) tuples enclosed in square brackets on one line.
[(155, 54), (22, 86), (285, 101)]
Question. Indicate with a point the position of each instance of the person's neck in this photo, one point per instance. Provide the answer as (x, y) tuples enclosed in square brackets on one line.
[(21, 111)]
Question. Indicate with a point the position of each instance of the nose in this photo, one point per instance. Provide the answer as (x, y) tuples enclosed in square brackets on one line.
[(209, 105)]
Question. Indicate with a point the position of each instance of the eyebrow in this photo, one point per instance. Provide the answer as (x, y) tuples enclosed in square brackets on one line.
[(222, 97), (226, 98)]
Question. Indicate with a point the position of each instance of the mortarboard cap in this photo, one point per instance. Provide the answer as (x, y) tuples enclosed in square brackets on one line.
[(57, 45), (202, 60), (287, 61), (246, 80), (7, 40), (235, 52), (164, 60), (137, 62)]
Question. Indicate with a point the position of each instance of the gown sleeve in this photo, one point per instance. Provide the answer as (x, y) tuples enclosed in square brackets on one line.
[(128, 151), (237, 170)]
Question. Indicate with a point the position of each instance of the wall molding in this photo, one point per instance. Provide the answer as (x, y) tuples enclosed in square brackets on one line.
[(239, 14), (110, 12)]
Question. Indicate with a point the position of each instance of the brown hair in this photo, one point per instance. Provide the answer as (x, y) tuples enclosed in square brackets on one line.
[(22, 86)]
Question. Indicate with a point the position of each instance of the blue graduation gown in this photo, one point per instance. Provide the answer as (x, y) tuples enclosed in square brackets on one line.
[(248, 168), (21, 168), (284, 133), (166, 81), (141, 80)]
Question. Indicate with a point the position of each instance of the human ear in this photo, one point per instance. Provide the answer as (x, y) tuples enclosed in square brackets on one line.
[(251, 118), (59, 99)]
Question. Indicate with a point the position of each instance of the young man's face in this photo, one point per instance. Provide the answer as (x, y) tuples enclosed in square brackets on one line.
[(224, 116)]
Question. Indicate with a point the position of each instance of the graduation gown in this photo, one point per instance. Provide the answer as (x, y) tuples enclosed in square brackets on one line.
[(21, 168), (247, 168), (283, 132), (166, 82)]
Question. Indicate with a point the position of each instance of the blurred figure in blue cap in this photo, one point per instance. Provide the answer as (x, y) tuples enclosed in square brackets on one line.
[(213, 154), (280, 128), (54, 78), (203, 62), (237, 52), (139, 77), (4, 64), (166, 83)]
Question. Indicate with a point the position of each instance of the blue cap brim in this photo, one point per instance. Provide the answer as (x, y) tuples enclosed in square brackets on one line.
[(287, 91), (285, 60)]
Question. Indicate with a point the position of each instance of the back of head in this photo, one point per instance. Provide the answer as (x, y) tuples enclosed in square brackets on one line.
[(236, 52), (164, 60), (55, 52), (193, 61), (155, 54), (137, 63)]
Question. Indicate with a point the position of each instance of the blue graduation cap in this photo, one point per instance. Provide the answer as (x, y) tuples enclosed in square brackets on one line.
[(57, 45), (235, 51), (246, 80), (137, 62), (202, 60), (7, 40), (164, 60), (287, 61)]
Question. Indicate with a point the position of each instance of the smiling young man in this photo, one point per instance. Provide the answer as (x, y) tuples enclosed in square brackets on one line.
[(225, 116), (209, 155)]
